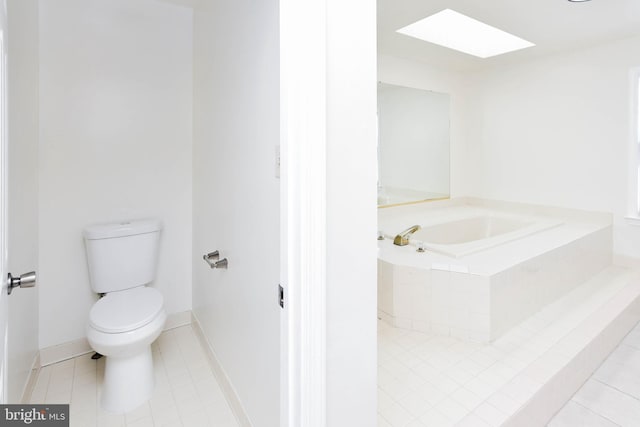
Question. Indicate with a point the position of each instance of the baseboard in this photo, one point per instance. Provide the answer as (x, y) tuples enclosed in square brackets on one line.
[(175, 320), (64, 351), (626, 261), (223, 380), (70, 349), (31, 381)]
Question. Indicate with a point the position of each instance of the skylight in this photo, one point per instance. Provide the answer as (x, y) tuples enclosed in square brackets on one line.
[(454, 30)]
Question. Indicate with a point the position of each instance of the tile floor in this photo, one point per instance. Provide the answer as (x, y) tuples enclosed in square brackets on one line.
[(611, 397), (430, 380), (186, 392), (423, 379)]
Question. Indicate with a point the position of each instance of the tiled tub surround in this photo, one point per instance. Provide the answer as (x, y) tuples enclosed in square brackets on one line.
[(481, 295)]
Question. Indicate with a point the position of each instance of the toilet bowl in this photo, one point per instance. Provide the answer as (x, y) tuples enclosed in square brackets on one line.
[(122, 326), (130, 315)]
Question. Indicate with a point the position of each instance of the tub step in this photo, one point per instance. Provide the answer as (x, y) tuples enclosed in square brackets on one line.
[(585, 327)]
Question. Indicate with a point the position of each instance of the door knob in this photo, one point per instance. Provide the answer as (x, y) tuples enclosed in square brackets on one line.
[(26, 280)]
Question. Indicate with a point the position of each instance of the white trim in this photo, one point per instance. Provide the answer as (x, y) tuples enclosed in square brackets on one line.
[(176, 320), (221, 376), (4, 206), (69, 349), (633, 159), (303, 98), (64, 351)]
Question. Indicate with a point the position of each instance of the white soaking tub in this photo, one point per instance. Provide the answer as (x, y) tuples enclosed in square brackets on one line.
[(478, 232), (486, 267)]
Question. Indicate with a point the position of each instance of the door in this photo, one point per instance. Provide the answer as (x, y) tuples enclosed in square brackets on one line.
[(4, 307), (18, 192)]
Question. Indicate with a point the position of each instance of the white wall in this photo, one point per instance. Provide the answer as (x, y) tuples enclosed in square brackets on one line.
[(115, 143), (555, 132), (23, 188), (404, 72), (236, 196)]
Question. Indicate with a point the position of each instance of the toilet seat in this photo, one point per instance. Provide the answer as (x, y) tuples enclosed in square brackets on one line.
[(125, 311)]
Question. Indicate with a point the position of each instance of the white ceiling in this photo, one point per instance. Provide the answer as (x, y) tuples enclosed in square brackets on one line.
[(553, 25)]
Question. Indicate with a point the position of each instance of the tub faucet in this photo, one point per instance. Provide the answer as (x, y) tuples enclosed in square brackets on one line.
[(402, 239)]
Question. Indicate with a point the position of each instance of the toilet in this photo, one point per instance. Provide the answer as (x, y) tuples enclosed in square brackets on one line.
[(122, 260)]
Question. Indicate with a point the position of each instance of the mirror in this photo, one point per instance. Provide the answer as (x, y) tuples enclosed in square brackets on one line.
[(413, 145)]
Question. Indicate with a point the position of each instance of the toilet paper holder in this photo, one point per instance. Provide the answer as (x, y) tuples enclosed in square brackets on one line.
[(214, 261)]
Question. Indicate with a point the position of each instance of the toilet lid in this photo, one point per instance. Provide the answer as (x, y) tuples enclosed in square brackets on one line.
[(126, 310)]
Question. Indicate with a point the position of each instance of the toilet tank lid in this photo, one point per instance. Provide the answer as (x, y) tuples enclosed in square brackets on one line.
[(121, 229)]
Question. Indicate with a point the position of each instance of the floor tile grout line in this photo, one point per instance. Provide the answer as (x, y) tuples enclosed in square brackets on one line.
[(153, 419), (614, 388), (166, 373), (191, 376), (590, 410), (97, 379), (177, 342), (45, 386)]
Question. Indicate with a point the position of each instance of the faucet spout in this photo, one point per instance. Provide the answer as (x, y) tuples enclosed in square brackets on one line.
[(402, 239)]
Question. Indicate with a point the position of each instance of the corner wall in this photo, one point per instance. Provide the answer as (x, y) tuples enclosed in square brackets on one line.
[(115, 144), (555, 131)]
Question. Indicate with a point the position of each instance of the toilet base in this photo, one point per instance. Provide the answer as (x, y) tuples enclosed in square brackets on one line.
[(128, 381)]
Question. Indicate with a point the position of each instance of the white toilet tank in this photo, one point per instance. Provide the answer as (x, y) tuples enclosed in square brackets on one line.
[(122, 255)]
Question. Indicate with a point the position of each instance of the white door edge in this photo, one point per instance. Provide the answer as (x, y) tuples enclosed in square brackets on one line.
[(303, 130), (3, 202)]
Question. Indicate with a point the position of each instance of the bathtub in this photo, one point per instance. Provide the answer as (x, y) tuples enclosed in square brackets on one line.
[(486, 267), (466, 236)]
